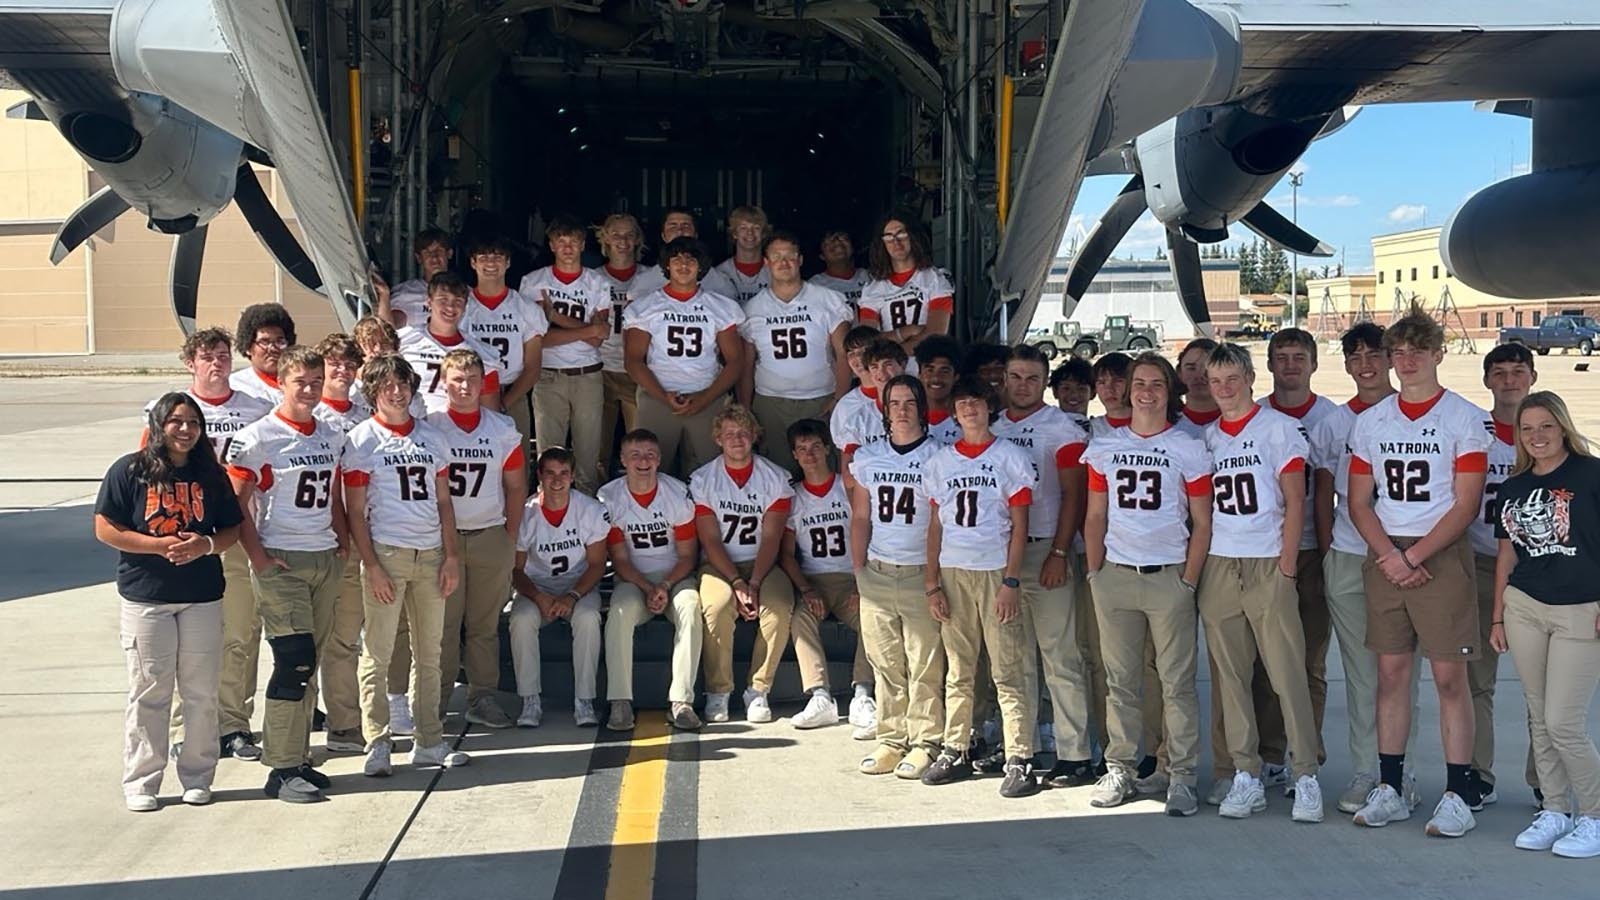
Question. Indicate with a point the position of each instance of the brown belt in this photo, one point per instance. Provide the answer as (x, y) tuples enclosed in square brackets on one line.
[(586, 370)]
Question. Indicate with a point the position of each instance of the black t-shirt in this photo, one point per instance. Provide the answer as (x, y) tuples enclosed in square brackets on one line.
[(200, 506), (1553, 521)]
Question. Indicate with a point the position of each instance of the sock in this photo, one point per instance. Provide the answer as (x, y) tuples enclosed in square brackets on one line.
[(863, 690), (1390, 767), (821, 692), (1458, 780)]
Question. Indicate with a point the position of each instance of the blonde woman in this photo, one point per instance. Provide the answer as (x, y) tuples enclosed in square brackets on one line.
[(1547, 614)]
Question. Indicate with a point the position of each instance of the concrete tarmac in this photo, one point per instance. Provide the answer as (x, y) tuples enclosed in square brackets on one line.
[(739, 811)]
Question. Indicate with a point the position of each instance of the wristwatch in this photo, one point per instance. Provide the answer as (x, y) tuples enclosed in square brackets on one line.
[(1058, 553), (1011, 582)]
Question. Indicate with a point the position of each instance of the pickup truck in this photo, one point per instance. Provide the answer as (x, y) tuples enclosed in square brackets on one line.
[(1579, 333)]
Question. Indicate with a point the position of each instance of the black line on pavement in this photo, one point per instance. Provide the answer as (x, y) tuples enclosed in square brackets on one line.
[(383, 864), (678, 837), (586, 865)]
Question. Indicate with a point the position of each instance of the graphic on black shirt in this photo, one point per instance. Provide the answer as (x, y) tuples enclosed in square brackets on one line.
[(1541, 522)]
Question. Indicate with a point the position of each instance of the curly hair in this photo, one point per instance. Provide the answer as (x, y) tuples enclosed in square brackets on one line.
[(257, 316), (204, 339)]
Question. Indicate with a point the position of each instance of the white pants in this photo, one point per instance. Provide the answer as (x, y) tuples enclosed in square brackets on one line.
[(526, 620), (628, 612)]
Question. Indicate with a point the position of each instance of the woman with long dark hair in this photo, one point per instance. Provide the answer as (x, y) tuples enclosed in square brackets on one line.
[(169, 510)]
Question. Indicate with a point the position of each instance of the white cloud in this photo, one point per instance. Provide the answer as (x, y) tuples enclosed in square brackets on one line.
[(1285, 202), (1300, 167), (1406, 212), (1141, 241)]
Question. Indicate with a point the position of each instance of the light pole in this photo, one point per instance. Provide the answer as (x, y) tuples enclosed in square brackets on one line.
[(1295, 180)]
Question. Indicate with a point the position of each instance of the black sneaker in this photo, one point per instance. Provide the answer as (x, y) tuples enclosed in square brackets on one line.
[(319, 720), (990, 764), (1100, 768), (289, 786), (1019, 779), (318, 780), (1485, 791), (947, 769), (240, 745), (1538, 799), (1071, 773), (1147, 767)]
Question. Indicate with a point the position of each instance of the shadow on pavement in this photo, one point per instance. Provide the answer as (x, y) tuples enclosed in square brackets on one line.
[(51, 549)]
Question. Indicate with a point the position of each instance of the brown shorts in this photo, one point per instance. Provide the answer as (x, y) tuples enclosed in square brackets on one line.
[(1440, 618)]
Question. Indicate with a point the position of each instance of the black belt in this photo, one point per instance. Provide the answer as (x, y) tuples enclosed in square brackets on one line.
[(586, 370), (1035, 540), (1142, 570)]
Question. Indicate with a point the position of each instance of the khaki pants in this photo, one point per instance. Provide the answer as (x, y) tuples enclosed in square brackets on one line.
[(1318, 628), (1557, 656), (415, 576), (628, 612), (298, 600), (170, 646), (686, 442), (487, 556), (834, 588), (1251, 611), (1049, 622), (336, 668), (1482, 672), (241, 651), (570, 403), (521, 413), (527, 620), (717, 610), (974, 626), (1347, 609), (621, 402), (776, 414), (1089, 651), (1131, 608), (907, 657)]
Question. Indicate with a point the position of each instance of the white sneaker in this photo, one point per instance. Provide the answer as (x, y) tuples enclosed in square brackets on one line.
[(1451, 818), (864, 710), (583, 713), (1382, 807), (439, 755), (532, 713), (1307, 799), (756, 708), (1273, 776), (1583, 842), (864, 732), (142, 803), (1355, 796), (377, 764), (1247, 796), (197, 796), (820, 711), (716, 707), (1547, 828), (400, 724)]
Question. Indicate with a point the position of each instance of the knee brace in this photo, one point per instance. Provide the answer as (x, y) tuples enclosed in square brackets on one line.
[(294, 657)]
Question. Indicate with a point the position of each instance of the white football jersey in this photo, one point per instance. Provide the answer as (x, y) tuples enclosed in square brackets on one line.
[(683, 336), (582, 297), (906, 299), (1330, 451), (849, 288), (1502, 455), (505, 324), (794, 356), (1247, 501), (1101, 427), (1148, 482), (650, 524), (943, 427), (972, 490), (738, 506), (398, 467), (483, 444), (820, 521), (897, 500), (249, 380), (1308, 414), (411, 298), (425, 351), (1195, 423), (739, 286), (557, 542), (1052, 441), (224, 418), (625, 286), (1413, 455), (295, 472), (857, 420), (343, 415)]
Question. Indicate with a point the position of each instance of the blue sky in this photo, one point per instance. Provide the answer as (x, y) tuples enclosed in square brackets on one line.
[(1395, 167)]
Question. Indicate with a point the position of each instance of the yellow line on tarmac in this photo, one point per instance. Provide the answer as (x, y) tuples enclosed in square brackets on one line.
[(644, 782)]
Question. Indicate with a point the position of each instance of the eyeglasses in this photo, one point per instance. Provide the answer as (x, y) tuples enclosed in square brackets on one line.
[(271, 343), (895, 237), (783, 257)]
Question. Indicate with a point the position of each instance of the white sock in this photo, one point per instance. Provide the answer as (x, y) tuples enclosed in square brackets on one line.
[(863, 690), (821, 692)]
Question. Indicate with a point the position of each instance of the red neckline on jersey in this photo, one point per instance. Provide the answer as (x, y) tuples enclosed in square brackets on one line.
[(270, 379), (466, 421), (564, 277), (899, 279), (334, 403), (647, 497), (492, 300), (1299, 412), (1358, 405), (1202, 418), (938, 416), (217, 401), (302, 427), (622, 274), (973, 451), (748, 270), (1164, 429), (1012, 417), (1232, 428), (674, 294), (1415, 411), (554, 517), (1115, 422), (449, 341), (1506, 432), (848, 276), (871, 393), (740, 476), (401, 430), (820, 490)]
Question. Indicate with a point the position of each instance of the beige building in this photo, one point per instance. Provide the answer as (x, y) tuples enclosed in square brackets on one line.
[(111, 295), (1407, 265)]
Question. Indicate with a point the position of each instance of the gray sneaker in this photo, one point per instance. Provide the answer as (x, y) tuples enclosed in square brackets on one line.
[(1219, 791), (1355, 796), (1113, 789), (621, 718), (684, 718), (1154, 784), (347, 741), (1182, 800), (485, 710)]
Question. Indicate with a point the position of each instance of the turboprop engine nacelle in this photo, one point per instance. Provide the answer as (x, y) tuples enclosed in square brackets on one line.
[(1529, 237)]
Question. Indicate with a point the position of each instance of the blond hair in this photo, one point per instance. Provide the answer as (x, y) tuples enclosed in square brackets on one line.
[(462, 358), (371, 330), (1416, 329), (735, 414), (1550, 402), (600, 232), (752, 214)]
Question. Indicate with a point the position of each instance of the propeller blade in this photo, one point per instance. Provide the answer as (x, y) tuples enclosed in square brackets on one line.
[(100, 210), (1183, 256), (1282, 233), (1107, 234), (1123, 160), (188, 252), (271, 230)]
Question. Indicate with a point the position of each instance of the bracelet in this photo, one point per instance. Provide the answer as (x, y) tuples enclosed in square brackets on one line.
[(936, 589), (574, 596), (211, 544), (1500, 622), (1058, 553), (1407, 560)]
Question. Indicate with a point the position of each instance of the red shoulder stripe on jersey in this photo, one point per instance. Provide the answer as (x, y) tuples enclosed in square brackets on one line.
[(1359, 466), (942, 304), (869, 314), (1097, 482), (848, 448), (1071, 455), (614, 536), (243, 474), (782, 504), (517, 460), (1298, 464), (357, 479), (1021, 498), (266, 476), (1200, 487), (1472, 462), (683, 532), (700, 509)]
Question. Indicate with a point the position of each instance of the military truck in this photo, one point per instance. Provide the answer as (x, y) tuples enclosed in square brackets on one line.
[(1118, 333)]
